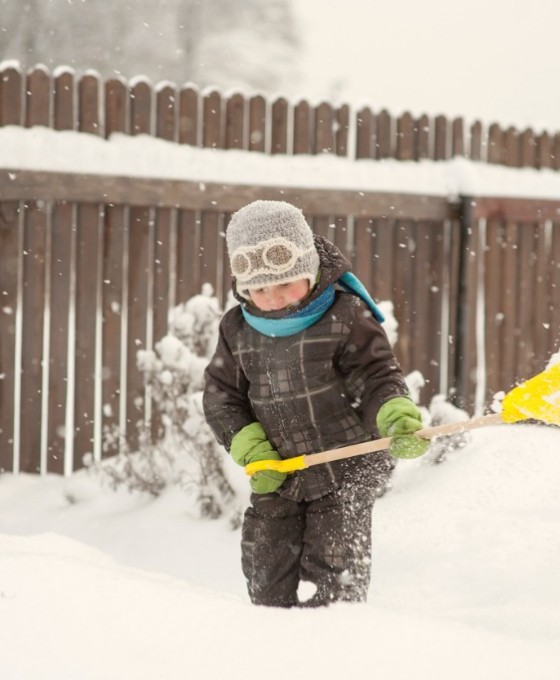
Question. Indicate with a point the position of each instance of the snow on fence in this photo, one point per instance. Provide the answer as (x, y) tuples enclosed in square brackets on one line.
[(91, 264)]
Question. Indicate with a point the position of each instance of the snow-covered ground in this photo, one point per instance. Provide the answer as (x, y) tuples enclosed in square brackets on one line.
[(111, 585)]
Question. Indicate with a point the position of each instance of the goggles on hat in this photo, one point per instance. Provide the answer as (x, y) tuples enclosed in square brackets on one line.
[(275, 256)]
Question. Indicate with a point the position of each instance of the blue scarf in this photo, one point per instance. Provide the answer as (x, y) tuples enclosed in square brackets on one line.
[(311, 313)]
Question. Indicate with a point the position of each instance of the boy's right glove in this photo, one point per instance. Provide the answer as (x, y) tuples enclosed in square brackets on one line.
[(251, 444), (399, 418)]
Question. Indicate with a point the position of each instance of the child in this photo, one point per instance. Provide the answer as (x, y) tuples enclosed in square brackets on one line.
[(301, 366)]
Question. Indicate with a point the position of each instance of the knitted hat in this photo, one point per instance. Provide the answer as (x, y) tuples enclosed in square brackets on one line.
[(269, 242)]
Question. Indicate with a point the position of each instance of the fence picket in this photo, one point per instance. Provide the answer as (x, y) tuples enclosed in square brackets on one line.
[(63, 216), (115, 231), (10, 253), (422, 129), (441, 139), (279, 126), (257, 124), (303, 128), (187, 256), (365, 134), (384, 141), (35, 301)]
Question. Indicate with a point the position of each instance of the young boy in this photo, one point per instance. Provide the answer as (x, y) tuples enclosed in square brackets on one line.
[(303, 365)]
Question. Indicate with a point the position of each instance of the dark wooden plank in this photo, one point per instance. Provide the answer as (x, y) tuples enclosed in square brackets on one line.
[(544, 296), (38, 98), (495, 144), (64, 100), (257, 123), (467, 242), (526, 267), (279, 126), (213, 121), (33, 316), (37, 112), (362, 254), (475, 146), (510, 292), (235, 122), (494, 310), (166, 113), (453, 260), (116, 106), (384, 140), (186, 257), (140, 277), (511, 149), (458, 137), (113, 304), (441, 139), (324, 142), (556, 152), (63, 217), (422, 129), (544, 151), (554, 307), (11, 113), (324, 128), (303, 128), (87, 284), (62, 224), (365, 134), (11, 97), (403, 233), (210, 256), (89, 110), (189, 116), (405, 137), (87, 258), (528, 148), (165, 220), (342, 122), (141, 97), (10, 253)]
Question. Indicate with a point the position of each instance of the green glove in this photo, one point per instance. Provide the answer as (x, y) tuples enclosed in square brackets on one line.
[(251, 444), (399, 418)]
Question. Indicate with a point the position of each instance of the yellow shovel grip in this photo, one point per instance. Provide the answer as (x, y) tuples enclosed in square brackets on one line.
[(288, 465)]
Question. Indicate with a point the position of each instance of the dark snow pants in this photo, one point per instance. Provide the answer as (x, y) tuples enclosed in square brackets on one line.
[(326, 542)]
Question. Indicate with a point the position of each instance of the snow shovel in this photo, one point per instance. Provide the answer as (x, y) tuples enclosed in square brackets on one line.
[(534, 399)]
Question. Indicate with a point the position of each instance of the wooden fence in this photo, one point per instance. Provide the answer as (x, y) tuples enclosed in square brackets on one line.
[(90, 265)]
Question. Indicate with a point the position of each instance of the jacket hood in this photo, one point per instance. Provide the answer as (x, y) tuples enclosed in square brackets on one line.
[(331, 267)]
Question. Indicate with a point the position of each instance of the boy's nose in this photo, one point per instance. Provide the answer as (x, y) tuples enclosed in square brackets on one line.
[(275, 300)]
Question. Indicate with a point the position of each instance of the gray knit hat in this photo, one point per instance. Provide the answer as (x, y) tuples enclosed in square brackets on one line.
[(269, 242)]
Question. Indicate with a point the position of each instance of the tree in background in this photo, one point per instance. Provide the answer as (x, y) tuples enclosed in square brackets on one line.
[(222, 43)]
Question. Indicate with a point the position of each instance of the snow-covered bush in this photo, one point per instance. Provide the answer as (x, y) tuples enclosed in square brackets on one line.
[(177, 446)]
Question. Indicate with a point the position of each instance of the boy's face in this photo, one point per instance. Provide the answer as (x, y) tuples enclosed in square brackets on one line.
[(273, 298)]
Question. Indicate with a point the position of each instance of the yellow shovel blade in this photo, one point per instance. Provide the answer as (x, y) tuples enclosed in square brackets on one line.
[(537, 398), (288, 465)]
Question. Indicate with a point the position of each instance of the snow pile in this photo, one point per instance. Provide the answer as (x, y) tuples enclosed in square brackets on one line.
[(464, 581), (40, 148)]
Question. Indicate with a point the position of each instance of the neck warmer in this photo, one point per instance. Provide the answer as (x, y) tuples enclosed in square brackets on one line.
[(306, 316)]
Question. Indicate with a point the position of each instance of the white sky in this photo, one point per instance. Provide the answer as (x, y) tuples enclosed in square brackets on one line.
[(488, 59)]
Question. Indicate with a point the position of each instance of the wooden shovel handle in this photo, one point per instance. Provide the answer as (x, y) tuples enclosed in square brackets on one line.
[(381, 444)]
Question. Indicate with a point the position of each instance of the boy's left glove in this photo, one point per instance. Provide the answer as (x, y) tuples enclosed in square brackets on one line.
[(399, 418), (251, 444)]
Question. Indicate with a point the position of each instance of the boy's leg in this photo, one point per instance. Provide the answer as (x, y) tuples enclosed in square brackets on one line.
[(271, 545), (337, 547)]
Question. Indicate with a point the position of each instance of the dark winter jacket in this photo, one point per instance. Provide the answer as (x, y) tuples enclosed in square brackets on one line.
[(313, 391)]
